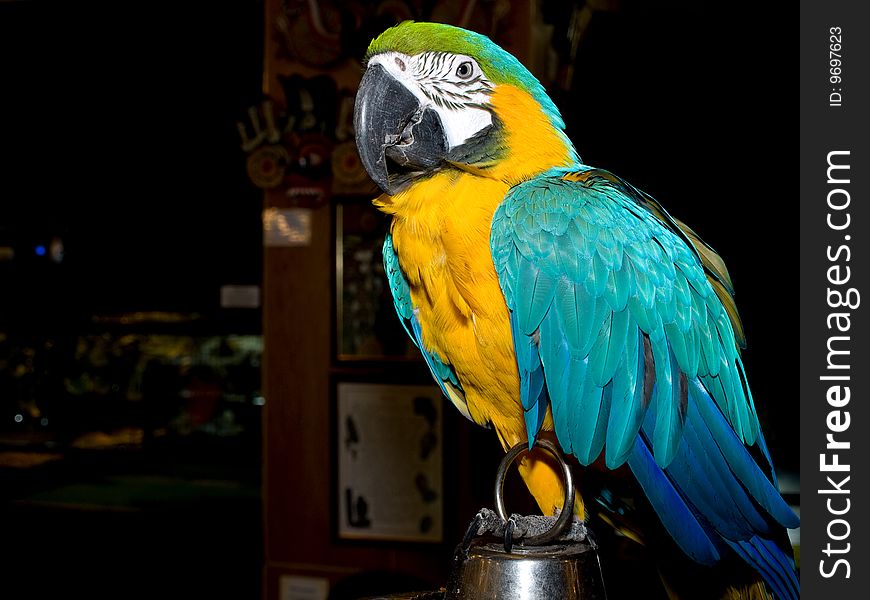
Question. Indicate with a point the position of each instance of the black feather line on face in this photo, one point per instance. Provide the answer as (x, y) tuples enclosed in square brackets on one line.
[(456, 95), (439, 62), (468, 82)]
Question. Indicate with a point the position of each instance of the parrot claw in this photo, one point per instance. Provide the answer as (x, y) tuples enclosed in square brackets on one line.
[(474, 528), (510, 527), (526, 530)]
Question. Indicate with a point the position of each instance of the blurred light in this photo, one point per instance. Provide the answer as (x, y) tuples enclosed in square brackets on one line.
[(44, 422), (19, 417), (287, 227), (56, 250), (40, 250), (259, 401)]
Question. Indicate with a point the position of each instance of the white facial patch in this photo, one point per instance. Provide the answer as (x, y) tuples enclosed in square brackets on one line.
[(449, 84)]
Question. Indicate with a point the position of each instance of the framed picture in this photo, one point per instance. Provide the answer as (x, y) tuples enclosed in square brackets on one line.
[(390, 462), (367, 327)]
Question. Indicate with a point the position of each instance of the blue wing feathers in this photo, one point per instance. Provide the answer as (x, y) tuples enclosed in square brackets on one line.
[(569, 311), (723, 499), (733, 511), (737, 515), (608, 251), (598, 353), (398, 287), (643, 290), (619, 286), (592, 312), (709, 493), (556, 359), (658, 296), (666, 303), (627, 407), (590, 409), (581, 414), (710, 351), (692, 353), (773, 564), (754, 432), (741, 463), (780, 565), (596, 283), (679, 345), (669, 418), (785, 563), (602, 398), (533, 393), (751, 554), (640, 314), (543, 288), (622, 327), (671, 507), (637, 359)]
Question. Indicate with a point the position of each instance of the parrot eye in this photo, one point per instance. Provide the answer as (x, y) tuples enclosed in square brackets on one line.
[(464, 70)]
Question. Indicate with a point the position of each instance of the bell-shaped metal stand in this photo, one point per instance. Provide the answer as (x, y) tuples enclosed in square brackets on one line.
[(536, 558), (562, 571), (523, 557)]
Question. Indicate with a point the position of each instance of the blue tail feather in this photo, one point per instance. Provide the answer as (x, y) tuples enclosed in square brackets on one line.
[(725, 492), (676, 516), (772, 563)]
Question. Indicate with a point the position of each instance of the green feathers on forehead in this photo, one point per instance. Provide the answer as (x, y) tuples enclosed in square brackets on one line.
[(499, 66)]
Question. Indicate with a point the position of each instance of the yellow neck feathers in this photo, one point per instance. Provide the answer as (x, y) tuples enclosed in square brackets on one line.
[(534, 144)]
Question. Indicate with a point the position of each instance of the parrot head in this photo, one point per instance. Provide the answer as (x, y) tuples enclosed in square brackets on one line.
[(435, 97)]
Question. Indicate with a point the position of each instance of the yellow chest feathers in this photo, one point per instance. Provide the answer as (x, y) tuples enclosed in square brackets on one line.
[(441, 236)]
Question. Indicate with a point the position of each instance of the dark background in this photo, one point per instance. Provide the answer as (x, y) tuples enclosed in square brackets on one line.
[(118, 134)]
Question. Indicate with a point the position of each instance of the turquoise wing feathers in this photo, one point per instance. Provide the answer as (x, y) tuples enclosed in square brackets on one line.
[(620, 307), (620, 330)]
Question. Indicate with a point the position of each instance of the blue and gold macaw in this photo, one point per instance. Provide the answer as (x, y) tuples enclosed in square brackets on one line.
[(549, 297)]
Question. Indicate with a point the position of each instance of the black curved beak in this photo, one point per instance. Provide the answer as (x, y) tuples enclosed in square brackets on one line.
[(397, 138)]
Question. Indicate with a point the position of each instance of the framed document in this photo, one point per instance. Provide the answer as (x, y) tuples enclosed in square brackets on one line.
[(390, 462)]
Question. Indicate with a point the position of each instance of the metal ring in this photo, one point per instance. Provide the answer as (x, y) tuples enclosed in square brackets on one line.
[(567, 508)]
